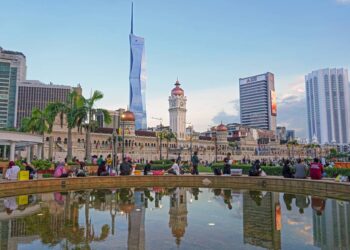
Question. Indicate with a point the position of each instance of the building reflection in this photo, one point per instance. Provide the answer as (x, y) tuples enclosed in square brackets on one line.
[(331, 226), (136, 223), (178, 213), (261, 219)]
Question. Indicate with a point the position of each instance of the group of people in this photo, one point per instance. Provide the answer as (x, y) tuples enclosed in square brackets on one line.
[(301, 170), (12, 171), (177, 169)]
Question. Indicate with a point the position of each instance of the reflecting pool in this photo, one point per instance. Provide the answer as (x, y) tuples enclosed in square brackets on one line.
[(173, 218)]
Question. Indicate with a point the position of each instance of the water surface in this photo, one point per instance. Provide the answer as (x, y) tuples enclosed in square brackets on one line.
[(176, 218)]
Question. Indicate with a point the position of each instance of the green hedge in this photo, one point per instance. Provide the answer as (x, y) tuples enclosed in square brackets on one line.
[(277, 171)]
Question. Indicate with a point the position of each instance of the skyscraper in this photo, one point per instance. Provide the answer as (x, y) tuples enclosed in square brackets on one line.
[(328, 106), (35, 94), (137, 78), (258, 101), (12, 70)]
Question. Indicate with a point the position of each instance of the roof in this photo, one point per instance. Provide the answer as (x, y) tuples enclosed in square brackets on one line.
[(9, 52)]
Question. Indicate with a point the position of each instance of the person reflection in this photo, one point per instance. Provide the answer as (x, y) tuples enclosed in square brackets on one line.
[(256, 196), (288, 199), (10, 204), (318, 204), (217, 191), (195, 193), (227, 198), (302, 202)]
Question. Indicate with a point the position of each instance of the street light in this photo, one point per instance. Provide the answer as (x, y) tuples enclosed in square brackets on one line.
[(115, 141), (123, 134)]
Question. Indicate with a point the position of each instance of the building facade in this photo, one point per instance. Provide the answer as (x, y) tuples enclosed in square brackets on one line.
[(12, 70), (137, 78), (258, 101), (328, 106), (177, 111), (35, 94)]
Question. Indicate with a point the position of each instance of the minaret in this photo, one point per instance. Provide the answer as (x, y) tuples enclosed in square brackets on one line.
[(177, 111)]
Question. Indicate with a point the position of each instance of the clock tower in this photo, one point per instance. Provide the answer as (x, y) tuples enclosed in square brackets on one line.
[(177, 111)]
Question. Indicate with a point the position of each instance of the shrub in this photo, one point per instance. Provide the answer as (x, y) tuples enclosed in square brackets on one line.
[(41, 164)]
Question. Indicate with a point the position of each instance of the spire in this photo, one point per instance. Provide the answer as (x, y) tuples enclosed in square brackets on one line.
[(132, 18)]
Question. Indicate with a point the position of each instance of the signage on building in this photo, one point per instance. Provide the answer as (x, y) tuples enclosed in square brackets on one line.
[(273, 103), (252, 79)]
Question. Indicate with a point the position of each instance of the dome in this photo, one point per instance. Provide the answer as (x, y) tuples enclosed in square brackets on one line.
[(221, 128), (128, 116), (177, 90)]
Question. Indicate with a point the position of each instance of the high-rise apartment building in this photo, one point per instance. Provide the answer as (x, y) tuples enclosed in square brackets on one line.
[(258, 106), (12, 70), (35, 94), (328, 106), (137, 78)]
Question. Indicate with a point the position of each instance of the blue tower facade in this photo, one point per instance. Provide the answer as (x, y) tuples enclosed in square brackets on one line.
[(137, 78)]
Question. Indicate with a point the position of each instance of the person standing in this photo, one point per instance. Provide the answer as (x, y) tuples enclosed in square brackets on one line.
[(300, 170), (316, 170), (228, 164), (109, 162), (178, 159), (100, 160), (125, 167), (195, 162), (12, 171)]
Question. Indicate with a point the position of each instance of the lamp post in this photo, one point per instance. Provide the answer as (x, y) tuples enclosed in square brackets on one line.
[(123, 134), (115, 141)]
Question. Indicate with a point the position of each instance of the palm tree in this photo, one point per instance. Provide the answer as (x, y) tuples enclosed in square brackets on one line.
[(292, 143), (161, 136), (73, 111), (89, 114), (40, 122), (168, 136)]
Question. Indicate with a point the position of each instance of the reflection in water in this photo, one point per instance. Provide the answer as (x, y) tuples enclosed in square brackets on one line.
[(117, 218), (259, 219)]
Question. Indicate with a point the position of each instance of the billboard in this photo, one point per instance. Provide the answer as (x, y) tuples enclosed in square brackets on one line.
[(273, 103)]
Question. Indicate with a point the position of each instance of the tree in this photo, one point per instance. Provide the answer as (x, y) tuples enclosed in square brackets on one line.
[(90, 122), (161, 136), (168, 136), (73, 111), (40, 122)]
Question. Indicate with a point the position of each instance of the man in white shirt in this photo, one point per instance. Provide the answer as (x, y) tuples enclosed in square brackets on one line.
[(175, 169), (12, 171)]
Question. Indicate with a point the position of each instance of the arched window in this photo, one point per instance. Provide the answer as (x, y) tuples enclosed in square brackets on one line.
[(65, 140), (58, 139), (47, 139), (78, 140)]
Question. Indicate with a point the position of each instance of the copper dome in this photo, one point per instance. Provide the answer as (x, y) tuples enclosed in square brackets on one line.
[(221, 128), (177, 90), (128, 116)]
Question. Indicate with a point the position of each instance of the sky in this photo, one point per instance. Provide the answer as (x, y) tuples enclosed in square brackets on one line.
[(207, 44)]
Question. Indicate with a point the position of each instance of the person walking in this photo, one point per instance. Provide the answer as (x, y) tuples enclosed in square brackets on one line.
[(109, 162), (147, 168), (195, 162), (300, 170)]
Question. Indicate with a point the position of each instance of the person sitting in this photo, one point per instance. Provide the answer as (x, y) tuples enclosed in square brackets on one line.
[(300, 170), (175, 169), (12, 171), (125, 167), (255, 170), (60, 171), (30, 169), (286, 171), (81, 171), (102, 170), (316, 170), (147, 168)]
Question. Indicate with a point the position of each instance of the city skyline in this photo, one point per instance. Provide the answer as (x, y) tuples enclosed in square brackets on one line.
[(177, 36)]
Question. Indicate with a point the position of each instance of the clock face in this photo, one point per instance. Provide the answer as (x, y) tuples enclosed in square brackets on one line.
[(181, 104)]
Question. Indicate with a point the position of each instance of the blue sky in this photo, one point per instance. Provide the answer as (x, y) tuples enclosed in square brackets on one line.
[(208, 44)]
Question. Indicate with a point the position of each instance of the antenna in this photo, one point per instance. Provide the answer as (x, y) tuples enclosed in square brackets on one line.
[(132, 18)]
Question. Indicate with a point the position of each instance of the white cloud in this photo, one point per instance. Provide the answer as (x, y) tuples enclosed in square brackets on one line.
[(343, 1)]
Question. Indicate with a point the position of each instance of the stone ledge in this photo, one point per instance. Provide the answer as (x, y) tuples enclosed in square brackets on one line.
[(322, 188)]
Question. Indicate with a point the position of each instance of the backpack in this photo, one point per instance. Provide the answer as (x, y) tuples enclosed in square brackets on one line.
[(217, 171)]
